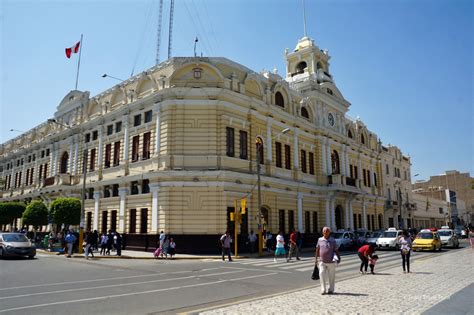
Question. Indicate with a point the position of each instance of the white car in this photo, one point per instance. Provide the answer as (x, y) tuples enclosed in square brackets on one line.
[(389, 239), (448, 238)]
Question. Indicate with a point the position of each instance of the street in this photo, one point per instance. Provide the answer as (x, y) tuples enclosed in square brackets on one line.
[(57, 285)]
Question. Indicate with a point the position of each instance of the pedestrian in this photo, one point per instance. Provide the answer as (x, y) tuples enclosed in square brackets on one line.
[(365, 253), (164, 247), (172, 248), (405, 243), (326, 253), (70, 239), (118, 243), (372, 262), (293, 246), (162, 239), (88, 248), (225, 241), (110, 242), (253, 241), (95, 241), (269, 241), (280, 246), (299, 240), (103, 243)]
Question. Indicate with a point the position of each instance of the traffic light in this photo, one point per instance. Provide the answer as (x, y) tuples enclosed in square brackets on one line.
[(243, 205)]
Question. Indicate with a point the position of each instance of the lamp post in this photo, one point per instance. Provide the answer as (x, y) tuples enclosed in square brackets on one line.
[(259, 143), (105, 75), (83, 189)]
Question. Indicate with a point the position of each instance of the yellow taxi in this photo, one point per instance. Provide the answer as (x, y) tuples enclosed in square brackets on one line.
[(427, 239)]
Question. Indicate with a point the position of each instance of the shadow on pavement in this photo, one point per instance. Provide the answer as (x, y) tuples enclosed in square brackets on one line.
[(381, 274), (349, 294), (422, 273)]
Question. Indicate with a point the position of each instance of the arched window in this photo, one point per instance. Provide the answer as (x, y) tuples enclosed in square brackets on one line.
[(319, 66), (304, 112), (64, 163), (349, 134), (362, 139), (335, 162), (279, 100), (300, 67)]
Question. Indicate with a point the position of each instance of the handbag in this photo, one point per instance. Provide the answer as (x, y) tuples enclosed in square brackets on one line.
[(315, 275)]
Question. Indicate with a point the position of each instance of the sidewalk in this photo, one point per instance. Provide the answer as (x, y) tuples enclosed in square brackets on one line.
[(391, 291), (131, 254)]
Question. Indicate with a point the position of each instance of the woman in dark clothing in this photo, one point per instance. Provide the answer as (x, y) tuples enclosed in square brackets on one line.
[(364, 253), (405, 243)]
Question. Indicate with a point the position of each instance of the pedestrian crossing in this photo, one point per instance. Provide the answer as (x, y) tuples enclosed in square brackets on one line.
[(348, 262)]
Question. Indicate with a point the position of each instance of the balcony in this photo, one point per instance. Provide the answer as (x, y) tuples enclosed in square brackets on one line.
[(410, 206), (49, 181), (335, 179)]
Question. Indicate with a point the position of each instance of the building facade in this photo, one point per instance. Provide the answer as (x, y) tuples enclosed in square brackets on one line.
[(174, 147), (461, 187)]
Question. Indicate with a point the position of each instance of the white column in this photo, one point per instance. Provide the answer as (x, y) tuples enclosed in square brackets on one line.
[(101, 147), (360, 170), (329, 164), (296, 150), (343, 160), (364, 215), (347, 162), (333, 216), (123, 195), (372, 174), (300, 212), (125, 139), (157, 129), (76, 155), (351, 215), (71, 156), (324, 157), (269, 140), (51, 161), (36, 170), (347, 215), (96, 209), (328, 213), (154, 189)]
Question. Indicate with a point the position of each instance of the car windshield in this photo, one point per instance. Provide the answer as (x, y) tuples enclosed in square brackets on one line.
[(444, 233), (337, 235), (376, 234), (425, 236), (14, 238), (389, 234), (360, 234)]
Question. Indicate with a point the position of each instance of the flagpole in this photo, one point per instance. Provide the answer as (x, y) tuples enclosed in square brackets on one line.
[(79, 62)]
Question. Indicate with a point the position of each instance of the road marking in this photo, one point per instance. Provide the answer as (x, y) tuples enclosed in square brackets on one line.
[(103, 279), (115, 285), (133, 293)]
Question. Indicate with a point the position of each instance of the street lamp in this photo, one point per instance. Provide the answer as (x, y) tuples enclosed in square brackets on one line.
[(105, 75), (83, 189), (259, 144)]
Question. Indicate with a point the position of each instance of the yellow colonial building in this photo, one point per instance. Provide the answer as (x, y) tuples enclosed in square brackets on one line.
[(173, 147)]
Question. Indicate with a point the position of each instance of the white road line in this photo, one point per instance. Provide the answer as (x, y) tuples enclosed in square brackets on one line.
[(133, 293), (254, 269), (103, 279), (115, 285)]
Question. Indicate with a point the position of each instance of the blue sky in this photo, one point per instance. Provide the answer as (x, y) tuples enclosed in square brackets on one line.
[(405, 66)]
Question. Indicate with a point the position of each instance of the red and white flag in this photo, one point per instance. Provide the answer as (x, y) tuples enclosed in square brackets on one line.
[(73, 50)]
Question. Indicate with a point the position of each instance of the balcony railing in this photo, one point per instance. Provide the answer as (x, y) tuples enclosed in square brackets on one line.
[(49, 181), (350, 181)]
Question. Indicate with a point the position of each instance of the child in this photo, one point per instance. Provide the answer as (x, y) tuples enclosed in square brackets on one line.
[(172, 248), (372, 260)]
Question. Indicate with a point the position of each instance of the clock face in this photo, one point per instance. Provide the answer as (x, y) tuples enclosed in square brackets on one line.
[(331, 119)]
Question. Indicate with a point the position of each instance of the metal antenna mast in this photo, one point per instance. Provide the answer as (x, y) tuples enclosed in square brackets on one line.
[(158, 39), (170, 29), (304, 19)]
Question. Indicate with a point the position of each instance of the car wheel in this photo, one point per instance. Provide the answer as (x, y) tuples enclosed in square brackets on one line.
[(31, 256), (1, 252)]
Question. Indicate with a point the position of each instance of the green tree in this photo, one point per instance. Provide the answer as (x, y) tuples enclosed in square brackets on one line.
[(66, 211), (10, 211), (36, 214)]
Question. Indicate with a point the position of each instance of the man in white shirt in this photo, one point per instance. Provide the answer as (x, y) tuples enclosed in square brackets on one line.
[(252, 241), (162, 239)]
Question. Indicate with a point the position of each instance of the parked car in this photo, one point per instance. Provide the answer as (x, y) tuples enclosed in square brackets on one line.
[(448, 238), (361, 237), (344, 239), (389, 239), (16, 244), (427, 239), (458, 231), (373, 237)]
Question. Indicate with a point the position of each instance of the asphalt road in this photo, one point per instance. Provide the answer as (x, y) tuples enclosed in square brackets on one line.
[(58, 285)]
